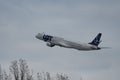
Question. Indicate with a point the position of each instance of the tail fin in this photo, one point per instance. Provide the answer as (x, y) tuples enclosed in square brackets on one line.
[(96, 41)]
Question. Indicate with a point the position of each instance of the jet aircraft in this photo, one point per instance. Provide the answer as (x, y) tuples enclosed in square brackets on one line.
[(57, 41)]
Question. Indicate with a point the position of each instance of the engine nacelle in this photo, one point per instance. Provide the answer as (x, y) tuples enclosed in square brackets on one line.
[(50, 44)]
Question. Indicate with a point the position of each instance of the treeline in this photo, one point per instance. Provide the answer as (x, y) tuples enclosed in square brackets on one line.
[(19, 70)]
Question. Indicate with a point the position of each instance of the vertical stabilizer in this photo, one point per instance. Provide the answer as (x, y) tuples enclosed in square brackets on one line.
[(96, 41)]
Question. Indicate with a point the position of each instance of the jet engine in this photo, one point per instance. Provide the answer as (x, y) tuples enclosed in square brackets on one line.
[(50, 44)]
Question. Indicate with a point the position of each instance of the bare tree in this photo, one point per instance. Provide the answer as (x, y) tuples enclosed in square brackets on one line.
[(23, 68), (1, 74), (29, 75), (39, 76), (43, 76), (20, 70), (47, 76), (62, 77), (14, 69), (6, 76)]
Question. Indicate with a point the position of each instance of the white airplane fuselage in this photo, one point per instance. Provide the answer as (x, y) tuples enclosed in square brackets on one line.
[(52, 41), (70, 44)]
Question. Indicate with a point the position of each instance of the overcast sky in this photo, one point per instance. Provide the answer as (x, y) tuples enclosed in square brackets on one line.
[(76, 20)]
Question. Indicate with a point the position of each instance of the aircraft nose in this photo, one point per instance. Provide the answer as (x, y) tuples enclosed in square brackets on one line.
[(37, 36)]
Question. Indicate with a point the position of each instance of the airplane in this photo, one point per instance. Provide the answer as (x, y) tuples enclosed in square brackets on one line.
[(57, 41)]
